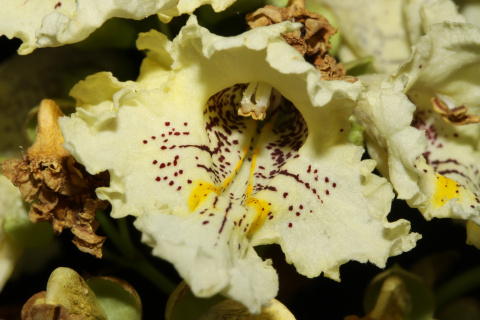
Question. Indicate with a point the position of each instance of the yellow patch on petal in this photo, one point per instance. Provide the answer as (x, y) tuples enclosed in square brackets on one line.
[(237, 167), (252, 171), (200, 193), (445, 190), (262, 209)]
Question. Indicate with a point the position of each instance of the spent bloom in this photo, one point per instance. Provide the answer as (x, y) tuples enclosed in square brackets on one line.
[(207, 184)]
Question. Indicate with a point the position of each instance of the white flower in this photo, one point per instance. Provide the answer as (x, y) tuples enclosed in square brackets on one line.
[(207, 185)]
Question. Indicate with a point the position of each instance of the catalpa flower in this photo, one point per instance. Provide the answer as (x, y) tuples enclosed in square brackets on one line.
[(424, 129), (52, 23), (207, 182), (393, 26)]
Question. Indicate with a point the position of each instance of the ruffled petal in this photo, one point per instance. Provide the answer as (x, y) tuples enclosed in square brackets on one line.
[(52, 23), (432, 163), (393, 26), (207, 184)]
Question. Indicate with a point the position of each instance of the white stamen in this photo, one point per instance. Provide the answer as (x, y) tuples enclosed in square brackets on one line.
[(258, 108)]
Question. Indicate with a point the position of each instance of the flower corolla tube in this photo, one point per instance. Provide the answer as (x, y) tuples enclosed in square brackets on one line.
[(208, 182)]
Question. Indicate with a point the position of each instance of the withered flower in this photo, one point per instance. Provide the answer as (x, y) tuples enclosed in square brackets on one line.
[(59, 189), (312, 40)]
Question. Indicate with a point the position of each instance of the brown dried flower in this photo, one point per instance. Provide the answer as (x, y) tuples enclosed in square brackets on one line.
[(312, 40), (59, 189)]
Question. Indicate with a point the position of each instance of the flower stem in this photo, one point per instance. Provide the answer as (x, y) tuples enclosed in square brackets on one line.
[(145, 269), (125, 235), (130, 257), (458, 286), (111, 232)]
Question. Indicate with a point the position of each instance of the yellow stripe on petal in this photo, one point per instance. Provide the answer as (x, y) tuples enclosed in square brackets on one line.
[(200, 193), (445, 190), (237, 167), (248, 193), (262, 209)]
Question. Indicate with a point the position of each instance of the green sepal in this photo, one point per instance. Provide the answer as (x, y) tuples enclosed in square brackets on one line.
[(359, 67), (117, 298), (182, 304), (356, 132), (421, 297)]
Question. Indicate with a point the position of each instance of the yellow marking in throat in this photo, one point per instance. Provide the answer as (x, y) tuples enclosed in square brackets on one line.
[(262, 209), (200, 193), (249, 191), (445, 190), (237, 167)]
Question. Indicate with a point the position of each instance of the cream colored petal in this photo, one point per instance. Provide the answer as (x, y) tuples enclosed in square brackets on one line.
[(473, 234), (10, 205), (372, 28), (471, 11), (386, 30), (52, 23)]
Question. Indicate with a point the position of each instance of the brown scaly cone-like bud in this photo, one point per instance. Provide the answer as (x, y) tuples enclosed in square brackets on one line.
[(312, 40), (59, 189)]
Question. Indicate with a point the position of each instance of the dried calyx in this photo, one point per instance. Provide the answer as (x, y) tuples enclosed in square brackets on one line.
[(59, 189), (312, 40)]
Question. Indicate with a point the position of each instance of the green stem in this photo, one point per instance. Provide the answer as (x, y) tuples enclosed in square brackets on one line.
[(150, 272), (458, 286), (111, 232), (125, 235), (144, 268)]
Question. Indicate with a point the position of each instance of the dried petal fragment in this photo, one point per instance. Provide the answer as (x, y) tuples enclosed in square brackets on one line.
[(59, 189), (312, 40)]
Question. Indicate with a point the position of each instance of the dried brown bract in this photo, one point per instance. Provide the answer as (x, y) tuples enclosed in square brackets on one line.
[(312, 40), (457, 115), (59, 189)]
